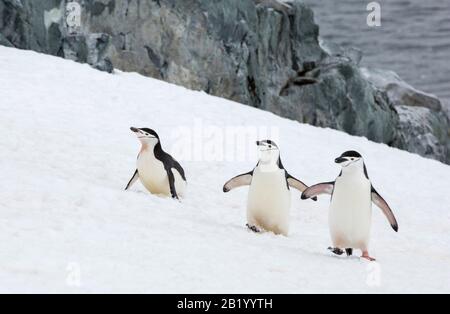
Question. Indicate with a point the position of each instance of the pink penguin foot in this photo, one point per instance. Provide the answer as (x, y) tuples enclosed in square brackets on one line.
[(367, 257)]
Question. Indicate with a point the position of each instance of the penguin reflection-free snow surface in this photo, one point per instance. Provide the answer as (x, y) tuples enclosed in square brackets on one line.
[(350, 215), (158, 171), (269, 197)]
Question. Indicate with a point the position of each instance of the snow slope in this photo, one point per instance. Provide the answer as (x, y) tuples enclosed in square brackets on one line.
[(66, 225)]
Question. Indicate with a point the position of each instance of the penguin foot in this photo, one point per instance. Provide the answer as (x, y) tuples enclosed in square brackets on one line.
[(253, 228), (349, 252), (367, 257), (336, 251)]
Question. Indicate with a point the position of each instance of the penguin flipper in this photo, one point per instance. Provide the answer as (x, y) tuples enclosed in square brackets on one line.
[(173, 190), (132, 180), (177, 167), (321, 188), (238, 181), (387, 211), (297, 184)]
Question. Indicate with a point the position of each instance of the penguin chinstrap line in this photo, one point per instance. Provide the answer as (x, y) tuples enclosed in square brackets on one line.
[(350, 213), (269, 197), (158, 172)]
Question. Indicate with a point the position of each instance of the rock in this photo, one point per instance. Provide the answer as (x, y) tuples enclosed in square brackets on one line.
[(104, 65), (424, 124), (98, 45), (341, 99), (40, 26), (4, 41), (351, 54), (15, 3), (75, 48), (400, 92), (263, 53), (91, 49), (424, 132)]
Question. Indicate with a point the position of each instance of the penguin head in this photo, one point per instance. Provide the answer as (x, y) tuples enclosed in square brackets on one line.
[(350, 160), (146, 136), (268, 151)]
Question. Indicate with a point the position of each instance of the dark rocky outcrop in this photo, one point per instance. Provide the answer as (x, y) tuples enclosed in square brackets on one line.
[(424, 125), (40, 26), (263, 53)]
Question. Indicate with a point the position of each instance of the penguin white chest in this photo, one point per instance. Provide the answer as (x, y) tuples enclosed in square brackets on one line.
[(152, 173), (350, 213), (269, 201)]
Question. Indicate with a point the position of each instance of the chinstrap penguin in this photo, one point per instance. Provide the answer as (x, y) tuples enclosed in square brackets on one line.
[(350, 213), (159, 172), (269, 197)]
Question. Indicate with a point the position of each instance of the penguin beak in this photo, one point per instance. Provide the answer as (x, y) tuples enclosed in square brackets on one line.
[(340, 160), (258, 143), (135, 130)]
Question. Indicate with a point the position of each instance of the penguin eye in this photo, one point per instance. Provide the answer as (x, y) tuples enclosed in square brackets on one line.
[(353, 158), (270, 146)]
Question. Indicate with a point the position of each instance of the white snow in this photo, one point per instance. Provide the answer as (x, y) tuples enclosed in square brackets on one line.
[(66, 225)]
